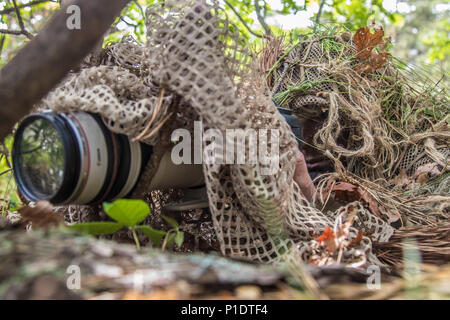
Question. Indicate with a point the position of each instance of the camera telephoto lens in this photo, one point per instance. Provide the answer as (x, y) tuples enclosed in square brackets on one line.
[(74, 159)]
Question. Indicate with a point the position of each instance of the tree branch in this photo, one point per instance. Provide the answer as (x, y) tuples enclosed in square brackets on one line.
[(261, 20), (319, 13), (21, 25), (45, 60), (243, 21), (2, 43), (13, 32)]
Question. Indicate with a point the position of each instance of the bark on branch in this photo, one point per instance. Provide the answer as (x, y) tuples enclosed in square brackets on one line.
[(45, 60)]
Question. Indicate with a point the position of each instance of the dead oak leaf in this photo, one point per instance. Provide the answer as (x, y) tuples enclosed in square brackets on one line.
[(41, 216), (356, 240), (365, 42), (349, 192), (374, 62)]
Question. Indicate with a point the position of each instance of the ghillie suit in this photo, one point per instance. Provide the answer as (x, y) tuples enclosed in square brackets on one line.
[(195, 66), (384, 126)]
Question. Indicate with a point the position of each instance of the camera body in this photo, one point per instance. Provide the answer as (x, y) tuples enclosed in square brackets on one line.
[(74, 158)]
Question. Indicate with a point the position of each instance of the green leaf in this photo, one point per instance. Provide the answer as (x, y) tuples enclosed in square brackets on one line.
[(154, 235), (97, 228), (127, 211), (171, 221), (397, 19), (179, 238)]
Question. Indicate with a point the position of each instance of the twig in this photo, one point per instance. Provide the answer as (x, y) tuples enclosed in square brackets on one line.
[(13, 32), (5, 153), (319, 13), (154, 115), (21, 25), (243, 21), (128, 23), (261, 18), (2, 43), (6, 171), (156, 129)]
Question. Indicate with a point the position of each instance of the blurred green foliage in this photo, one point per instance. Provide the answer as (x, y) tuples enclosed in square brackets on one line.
[(439, 41), (357, 13)]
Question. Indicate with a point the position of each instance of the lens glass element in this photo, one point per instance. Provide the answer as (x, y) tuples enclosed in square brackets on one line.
[(41, 158)]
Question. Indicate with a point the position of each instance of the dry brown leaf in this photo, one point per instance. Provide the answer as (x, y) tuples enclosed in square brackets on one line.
[(370, 201), (357, 239), (374, 62), (349, 192), (421, 176), (346, 191), (41, 216), (365, 42)]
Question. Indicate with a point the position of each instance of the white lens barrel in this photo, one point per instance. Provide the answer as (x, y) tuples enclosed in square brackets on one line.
[(94, 158)]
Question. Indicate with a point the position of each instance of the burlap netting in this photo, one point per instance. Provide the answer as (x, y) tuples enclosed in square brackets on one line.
[(198, 58), (356, 102), (383, 116)]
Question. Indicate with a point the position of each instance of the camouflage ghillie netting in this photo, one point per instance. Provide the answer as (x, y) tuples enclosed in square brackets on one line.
[(195, 66)]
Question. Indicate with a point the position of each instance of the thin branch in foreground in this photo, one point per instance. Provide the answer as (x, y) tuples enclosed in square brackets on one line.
[(319, 14), (13, 32), (243, 21), (2, 43), (21, 25), (261, 19)]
